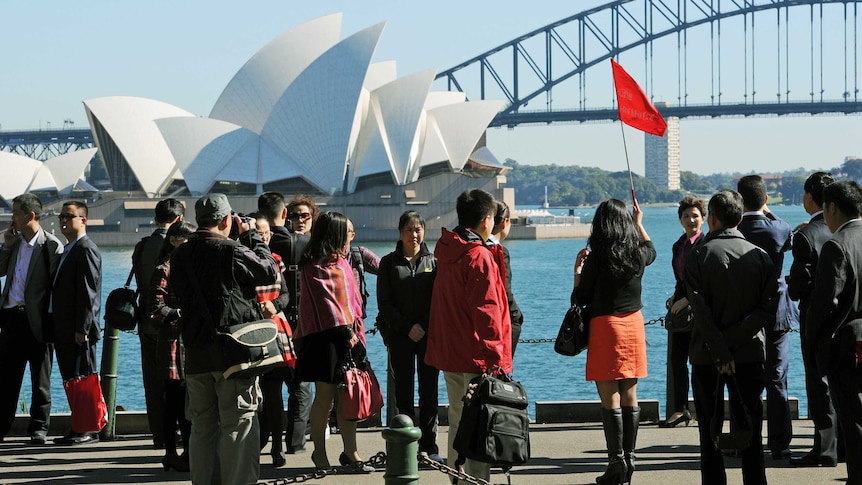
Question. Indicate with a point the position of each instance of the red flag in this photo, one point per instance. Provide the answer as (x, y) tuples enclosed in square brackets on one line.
[(634, 107)]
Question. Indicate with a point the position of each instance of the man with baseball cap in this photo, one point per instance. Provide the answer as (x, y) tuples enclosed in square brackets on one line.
[(214, 279)]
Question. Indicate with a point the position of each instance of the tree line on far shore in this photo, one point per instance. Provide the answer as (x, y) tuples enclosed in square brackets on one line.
[(571, 186)]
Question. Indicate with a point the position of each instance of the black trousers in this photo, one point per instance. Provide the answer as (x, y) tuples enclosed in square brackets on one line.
[(175, 415), (677, 372), (272, 413), (18, 347), (154, 391), (750, 379), (404, 354), (820, 409), (845, 385)]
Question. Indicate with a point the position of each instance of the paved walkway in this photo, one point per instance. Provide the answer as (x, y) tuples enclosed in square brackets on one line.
[(561, 454)]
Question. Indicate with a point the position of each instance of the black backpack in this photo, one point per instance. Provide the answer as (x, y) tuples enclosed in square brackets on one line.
[(121, 307), (495, 426)]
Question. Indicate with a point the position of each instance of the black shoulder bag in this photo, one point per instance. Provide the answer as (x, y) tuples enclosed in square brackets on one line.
[(121, 306), (574, 334)]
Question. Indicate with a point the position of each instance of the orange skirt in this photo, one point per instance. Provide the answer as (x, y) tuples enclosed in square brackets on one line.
[(617, 348)]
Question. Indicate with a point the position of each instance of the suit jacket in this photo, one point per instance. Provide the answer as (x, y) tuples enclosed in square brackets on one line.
[(38, 281), (77, 293), (835, 309), (733, 293), (807, 243), (282, 244), (144, 262), (774, 236)]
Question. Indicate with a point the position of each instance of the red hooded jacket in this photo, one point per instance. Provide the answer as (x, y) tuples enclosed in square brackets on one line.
[(469, 329)]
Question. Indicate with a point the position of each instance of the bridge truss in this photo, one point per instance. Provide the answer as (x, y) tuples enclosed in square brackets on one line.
[(729, 57)]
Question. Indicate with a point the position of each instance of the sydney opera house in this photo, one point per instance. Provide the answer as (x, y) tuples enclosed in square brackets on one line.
[(309, 113)]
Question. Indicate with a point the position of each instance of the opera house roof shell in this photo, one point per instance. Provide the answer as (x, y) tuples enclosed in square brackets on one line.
[(60, 174), (309, 111)]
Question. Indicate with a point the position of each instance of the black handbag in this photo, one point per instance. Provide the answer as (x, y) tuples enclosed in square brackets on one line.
[(574, 334), (681, 321), (121, 307), (494, 426), (739, 437)]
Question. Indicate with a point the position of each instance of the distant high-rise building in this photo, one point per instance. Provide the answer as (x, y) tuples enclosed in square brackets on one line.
[(662, 156)]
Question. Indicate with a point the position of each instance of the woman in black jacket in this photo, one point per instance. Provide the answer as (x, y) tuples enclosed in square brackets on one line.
[(691, 216), (405, 279)]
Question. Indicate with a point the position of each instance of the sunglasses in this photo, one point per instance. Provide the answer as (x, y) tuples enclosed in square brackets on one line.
[(302, 216), (66, 217)]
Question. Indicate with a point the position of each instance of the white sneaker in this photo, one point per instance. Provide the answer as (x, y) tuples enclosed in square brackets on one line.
[(326, 433)]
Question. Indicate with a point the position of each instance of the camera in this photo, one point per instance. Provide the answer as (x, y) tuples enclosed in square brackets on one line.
[(234, 229)]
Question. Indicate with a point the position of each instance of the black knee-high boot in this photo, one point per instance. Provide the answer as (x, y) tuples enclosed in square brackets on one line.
[(631, 421), (612, 422)]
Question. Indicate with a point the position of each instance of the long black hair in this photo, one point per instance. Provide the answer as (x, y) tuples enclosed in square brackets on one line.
[(328, 237), (616, 239)]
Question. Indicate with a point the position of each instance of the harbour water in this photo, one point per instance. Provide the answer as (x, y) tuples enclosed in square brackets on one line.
[(542, 283)]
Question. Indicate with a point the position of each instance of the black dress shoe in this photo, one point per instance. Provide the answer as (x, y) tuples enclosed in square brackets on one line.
[(73, 439), (811, 460), (780, 454), (38, 438)]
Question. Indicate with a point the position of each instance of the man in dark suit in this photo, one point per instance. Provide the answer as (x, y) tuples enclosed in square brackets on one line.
[(144, 257), (835, 314), (773, 235), (28, 259), (75, 303), (732, 289), (807, 242), (289, 246)]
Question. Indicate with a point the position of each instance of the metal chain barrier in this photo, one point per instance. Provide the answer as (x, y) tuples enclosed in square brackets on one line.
[(424, 460), (377, 461)]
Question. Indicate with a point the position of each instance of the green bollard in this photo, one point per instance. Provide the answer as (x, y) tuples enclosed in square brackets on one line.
[(402, 447), (110, 356)]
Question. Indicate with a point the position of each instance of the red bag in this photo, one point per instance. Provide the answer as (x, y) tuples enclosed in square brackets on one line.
[(360, 397), (84, 393), (285, 340)]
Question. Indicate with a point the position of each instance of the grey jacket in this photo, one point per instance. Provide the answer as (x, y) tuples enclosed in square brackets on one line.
[(39, 277)]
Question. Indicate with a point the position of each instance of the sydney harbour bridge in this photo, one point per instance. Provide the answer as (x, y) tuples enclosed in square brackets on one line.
[(694, 58)]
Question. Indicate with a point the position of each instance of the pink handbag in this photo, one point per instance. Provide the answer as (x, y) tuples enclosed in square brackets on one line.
[(361, 397), (84, 393)]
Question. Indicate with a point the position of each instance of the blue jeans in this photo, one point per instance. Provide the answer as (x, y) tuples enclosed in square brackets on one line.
[(779, 429)]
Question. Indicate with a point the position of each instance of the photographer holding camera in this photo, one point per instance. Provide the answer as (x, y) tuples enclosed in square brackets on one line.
[(215, 279)]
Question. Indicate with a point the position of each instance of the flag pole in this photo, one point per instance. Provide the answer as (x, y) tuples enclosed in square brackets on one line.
[(628, 164)]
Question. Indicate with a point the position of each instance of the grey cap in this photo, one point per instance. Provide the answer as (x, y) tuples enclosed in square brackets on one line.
[(211, 208)]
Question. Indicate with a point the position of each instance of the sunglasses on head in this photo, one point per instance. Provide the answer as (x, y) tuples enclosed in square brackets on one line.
[(299, 215)]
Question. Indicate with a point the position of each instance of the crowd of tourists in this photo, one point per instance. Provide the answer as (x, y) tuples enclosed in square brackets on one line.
[(451, 311)]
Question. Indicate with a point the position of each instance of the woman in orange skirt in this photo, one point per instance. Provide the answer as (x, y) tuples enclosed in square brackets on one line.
[(608, 276)]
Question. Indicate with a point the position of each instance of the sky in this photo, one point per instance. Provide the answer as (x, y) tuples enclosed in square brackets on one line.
[(57, 54)]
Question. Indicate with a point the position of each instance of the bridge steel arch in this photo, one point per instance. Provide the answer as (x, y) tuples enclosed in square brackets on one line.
[(609, 30)]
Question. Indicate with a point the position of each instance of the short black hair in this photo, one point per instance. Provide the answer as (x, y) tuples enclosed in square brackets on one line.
[(727, 207), (846, 195), (815, 183), (410, 216), (473, 206), (167, 210), (79, 206), (270, 205), (29, 203), (501, 215), (753, 191)]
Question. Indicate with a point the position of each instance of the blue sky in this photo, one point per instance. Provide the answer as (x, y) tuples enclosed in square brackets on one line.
[(57, 54)]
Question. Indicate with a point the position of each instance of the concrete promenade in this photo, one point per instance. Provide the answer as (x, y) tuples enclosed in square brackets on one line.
[(561, 454)]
